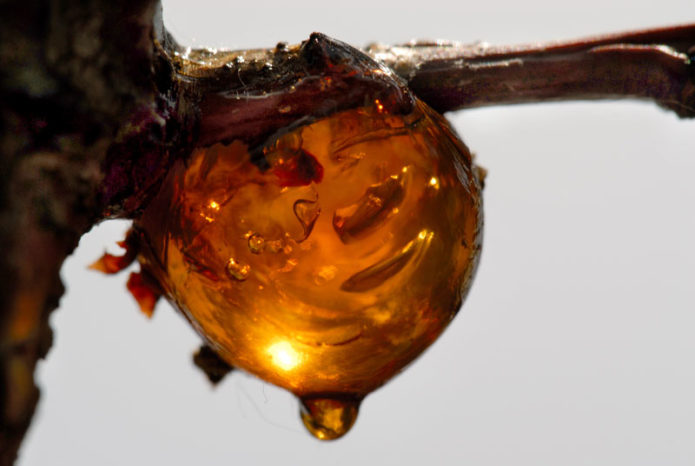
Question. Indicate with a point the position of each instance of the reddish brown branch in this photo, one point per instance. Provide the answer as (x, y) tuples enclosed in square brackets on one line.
[(651, 64)]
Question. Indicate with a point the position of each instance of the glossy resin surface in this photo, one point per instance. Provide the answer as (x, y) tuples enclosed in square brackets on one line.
[(325, 260)]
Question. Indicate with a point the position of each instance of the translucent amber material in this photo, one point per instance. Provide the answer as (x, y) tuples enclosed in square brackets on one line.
[(325, 261)]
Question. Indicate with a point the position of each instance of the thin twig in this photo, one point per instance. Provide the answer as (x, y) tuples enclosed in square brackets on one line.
[(652, 64)]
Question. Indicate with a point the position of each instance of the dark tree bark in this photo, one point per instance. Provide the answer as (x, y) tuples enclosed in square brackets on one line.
[(72, 77), (650, 65), (97, 100)]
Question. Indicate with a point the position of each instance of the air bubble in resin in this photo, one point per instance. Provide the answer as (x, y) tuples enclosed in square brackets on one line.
[(327, 259), (256, 243), (237, 270)]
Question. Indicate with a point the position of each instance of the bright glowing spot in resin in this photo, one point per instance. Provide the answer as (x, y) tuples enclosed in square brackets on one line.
[(284, 355)]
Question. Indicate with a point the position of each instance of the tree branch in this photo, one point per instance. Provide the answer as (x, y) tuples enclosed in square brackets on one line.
[(73, 75), (653, 64)]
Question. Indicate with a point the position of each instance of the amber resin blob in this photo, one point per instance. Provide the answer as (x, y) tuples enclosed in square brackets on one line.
[(325, 260)]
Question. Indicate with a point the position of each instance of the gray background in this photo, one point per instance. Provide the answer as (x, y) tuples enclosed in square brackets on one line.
[(575, 345)]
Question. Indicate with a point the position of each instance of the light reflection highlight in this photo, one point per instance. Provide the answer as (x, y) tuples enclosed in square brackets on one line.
[(284, 356)]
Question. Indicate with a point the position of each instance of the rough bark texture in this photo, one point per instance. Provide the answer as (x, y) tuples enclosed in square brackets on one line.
[(72, 76), (653, 65), (97, 100)]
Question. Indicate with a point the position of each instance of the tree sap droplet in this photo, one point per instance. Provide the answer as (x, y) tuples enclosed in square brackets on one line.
[(329, 418), (374, 206), (307, 212), (236, 270), (256, 243), (339, 304)]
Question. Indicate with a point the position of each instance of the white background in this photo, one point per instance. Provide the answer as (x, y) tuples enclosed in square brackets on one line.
[(575, 345)]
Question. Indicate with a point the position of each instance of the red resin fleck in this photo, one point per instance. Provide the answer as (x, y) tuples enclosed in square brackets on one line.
[(300, 169), (144, 292), (110, 263)]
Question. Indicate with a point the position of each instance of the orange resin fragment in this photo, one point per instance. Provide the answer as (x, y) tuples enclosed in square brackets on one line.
[(144, 293), (325, 260), (111, 264)]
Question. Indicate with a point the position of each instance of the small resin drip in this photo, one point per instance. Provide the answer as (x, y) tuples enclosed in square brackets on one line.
[(329, 418), (325, 260)]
